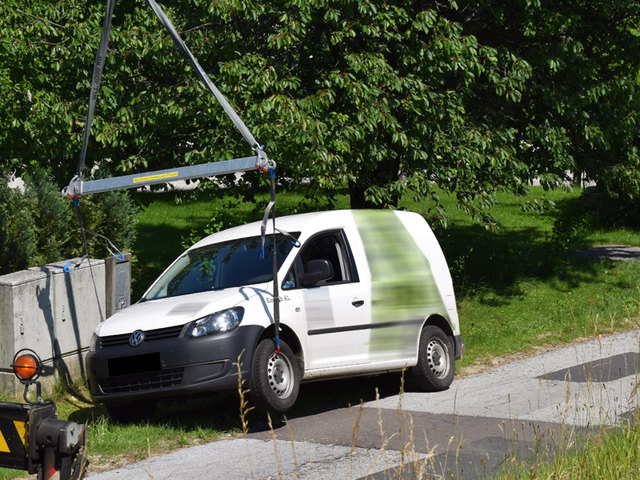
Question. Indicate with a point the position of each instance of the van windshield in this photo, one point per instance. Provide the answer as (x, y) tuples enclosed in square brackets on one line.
[(221, 265)]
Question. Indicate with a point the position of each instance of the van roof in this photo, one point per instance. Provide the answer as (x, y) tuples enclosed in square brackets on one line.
[(308, 223)]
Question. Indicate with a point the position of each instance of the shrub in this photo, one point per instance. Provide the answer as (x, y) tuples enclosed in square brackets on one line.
[(111, 214), (39, 226), (51, 219), (17, 231)]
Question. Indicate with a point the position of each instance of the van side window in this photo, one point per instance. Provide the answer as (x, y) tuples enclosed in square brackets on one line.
[(333, 248)]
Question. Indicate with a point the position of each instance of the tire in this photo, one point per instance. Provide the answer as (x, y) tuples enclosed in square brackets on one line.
[(131, 412), (275, 379), (436, 361)]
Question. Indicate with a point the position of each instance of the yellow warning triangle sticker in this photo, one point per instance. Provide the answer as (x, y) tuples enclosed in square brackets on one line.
[(21, 428), (3, 444)]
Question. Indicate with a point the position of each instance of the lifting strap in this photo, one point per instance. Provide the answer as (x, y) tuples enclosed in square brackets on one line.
[(276, 294), (95, 82), (202, 75)]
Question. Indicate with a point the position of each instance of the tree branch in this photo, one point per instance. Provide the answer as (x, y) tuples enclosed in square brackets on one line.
[(204, 25), (40, 18)]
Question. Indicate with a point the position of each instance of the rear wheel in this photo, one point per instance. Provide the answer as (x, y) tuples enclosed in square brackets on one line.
[(436, 361), (275, 378)]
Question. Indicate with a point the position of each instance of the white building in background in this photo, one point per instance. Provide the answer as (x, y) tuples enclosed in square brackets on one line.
[(16, 182)]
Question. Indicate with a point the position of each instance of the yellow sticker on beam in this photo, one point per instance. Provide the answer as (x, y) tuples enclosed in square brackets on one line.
[(159, 176), (21, 428), (4, 448)]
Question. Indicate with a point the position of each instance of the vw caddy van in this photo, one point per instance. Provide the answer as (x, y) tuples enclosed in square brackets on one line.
[(360, 292)]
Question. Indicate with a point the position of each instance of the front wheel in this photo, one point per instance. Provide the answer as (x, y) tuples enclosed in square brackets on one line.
[(275, 377), (436, 361)]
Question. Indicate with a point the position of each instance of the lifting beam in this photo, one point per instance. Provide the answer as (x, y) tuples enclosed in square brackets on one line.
[(78, 188)]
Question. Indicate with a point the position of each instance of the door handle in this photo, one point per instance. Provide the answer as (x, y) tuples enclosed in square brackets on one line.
[(357, 303)]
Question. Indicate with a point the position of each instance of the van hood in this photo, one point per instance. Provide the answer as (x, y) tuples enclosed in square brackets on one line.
[(173, 311)]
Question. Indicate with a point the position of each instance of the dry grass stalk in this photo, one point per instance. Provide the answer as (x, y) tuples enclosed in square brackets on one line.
[(244, 409), (355, 427), (148, 470), (275, 445), (293, 449)]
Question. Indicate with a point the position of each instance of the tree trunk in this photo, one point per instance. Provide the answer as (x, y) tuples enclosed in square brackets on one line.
[(356, 196)]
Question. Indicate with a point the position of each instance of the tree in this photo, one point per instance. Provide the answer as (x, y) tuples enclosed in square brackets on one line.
[(581, 105), (376, 98), (371, 96)]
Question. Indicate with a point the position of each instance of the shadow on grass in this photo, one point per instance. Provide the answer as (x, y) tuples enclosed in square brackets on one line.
[(491, 264), (217, 412), (155, 248), (220, 411)]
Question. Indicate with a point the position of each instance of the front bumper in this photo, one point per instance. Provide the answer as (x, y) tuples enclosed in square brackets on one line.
[(167, 366)]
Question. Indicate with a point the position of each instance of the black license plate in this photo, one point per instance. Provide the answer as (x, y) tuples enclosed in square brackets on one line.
[(149, 362)]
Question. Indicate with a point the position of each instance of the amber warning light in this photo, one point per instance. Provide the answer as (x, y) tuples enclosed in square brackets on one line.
[(26, 365)]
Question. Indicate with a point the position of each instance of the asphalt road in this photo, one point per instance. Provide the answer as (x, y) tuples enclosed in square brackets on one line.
[(527, 408)]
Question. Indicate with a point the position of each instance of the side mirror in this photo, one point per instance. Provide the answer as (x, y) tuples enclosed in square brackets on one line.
[(317, 270)]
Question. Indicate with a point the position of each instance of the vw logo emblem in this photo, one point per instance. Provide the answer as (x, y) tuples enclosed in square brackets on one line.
[(136, 338)]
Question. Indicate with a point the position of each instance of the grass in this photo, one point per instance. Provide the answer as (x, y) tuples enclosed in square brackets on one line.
[(610, 453), (522, 281)]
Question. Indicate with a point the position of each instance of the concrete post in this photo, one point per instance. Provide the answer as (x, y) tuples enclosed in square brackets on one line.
[(118, 283), (54, 313)]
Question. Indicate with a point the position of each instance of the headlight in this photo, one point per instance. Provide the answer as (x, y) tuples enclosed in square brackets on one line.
[(216, 323), (95, 343)]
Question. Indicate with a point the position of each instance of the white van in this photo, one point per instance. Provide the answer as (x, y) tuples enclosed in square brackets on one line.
[(361, 292)]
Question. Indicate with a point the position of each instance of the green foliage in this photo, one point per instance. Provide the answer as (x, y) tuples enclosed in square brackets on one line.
[(580, 107), (51, 217), (113, 215), (35, 224), (371, 98), (17, 235), (594, 209), (38, 226), (354, 96), (227, 213), (570, 231)]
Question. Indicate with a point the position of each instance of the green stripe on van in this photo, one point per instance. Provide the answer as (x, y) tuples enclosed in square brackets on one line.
[(403, 289)]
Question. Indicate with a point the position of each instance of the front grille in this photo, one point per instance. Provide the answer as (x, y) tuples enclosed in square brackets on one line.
[(149, 336), (142, 382)]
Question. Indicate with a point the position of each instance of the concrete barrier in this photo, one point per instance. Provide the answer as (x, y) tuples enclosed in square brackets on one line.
[(54, 313)]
